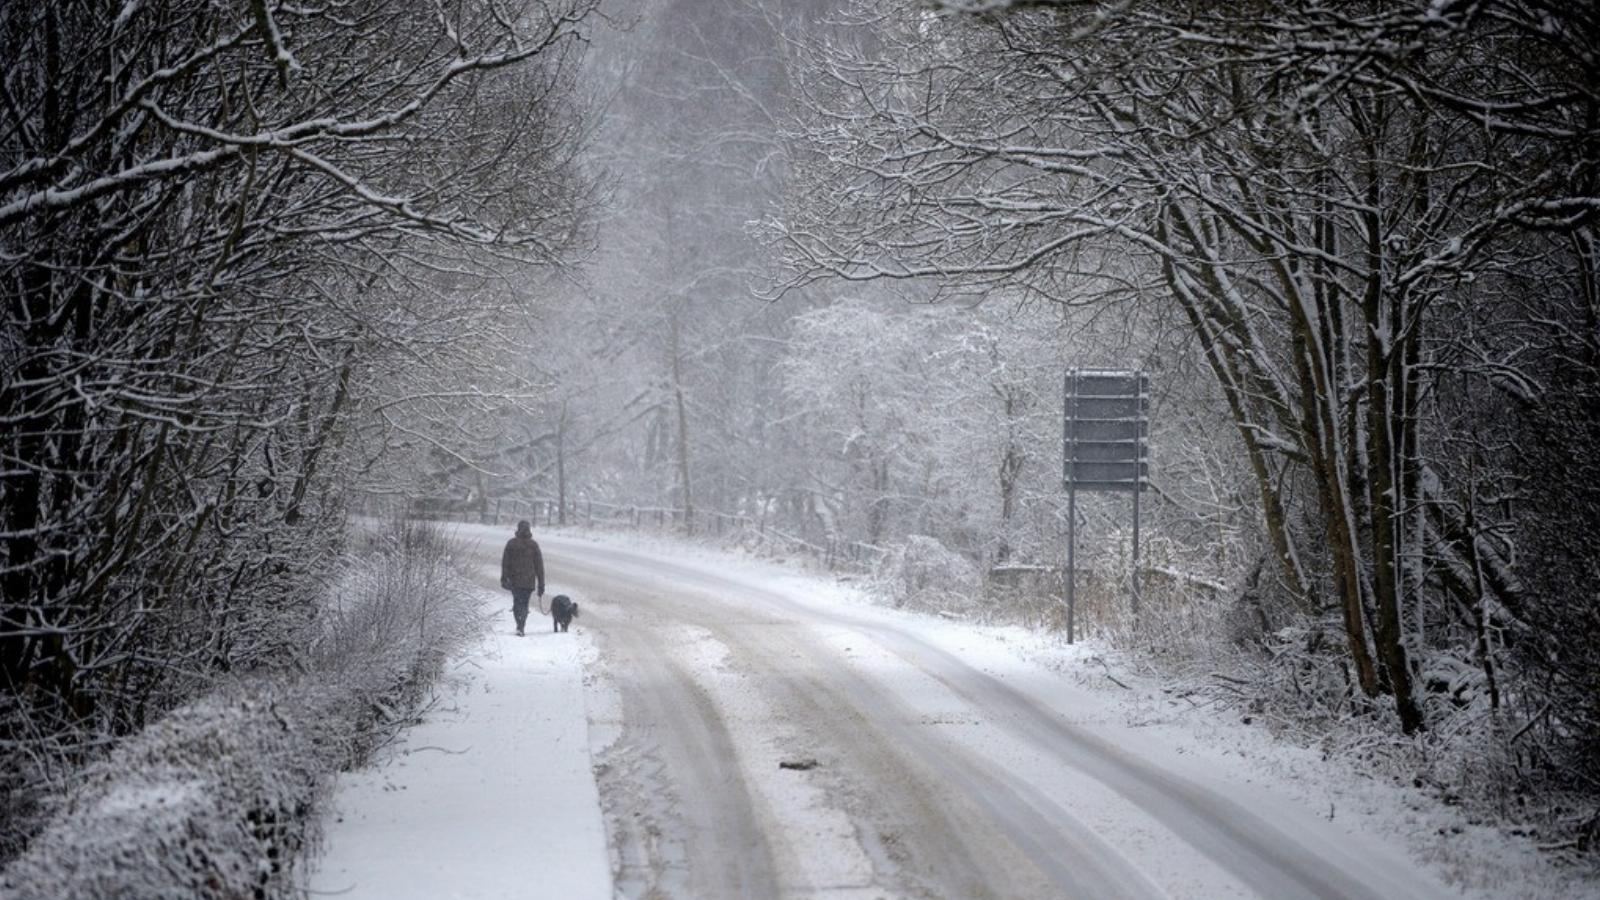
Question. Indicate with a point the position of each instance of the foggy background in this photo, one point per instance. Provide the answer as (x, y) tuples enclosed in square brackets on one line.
[(805, 278)]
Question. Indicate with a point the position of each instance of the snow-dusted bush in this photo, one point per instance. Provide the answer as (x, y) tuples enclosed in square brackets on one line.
[(214, 800), (210, 801), (396, 613), (921, 572)]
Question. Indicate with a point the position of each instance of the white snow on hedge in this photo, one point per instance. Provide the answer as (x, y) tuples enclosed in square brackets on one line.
[(210, 801)]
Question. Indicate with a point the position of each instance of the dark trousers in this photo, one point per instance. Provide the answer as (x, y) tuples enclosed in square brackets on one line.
[(519, 605)]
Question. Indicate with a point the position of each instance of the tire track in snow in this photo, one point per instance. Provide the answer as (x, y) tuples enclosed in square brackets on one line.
[(968, 828), (1258, 852), (939, 823), (683, 820)]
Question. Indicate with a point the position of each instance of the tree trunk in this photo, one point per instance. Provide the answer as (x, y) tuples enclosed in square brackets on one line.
[(1387, 513), (1011, 462), (683, 432), (561, 464), (1387, 428)]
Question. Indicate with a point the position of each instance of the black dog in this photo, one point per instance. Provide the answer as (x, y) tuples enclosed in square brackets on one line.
[(563, 610)]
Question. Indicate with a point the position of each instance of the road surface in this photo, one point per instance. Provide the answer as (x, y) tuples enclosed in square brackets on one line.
[(936, 774)]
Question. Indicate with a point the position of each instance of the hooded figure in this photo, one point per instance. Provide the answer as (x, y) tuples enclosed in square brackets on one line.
[(522, 571)]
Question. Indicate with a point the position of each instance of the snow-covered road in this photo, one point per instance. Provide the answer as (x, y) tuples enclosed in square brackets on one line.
[(945, 765)]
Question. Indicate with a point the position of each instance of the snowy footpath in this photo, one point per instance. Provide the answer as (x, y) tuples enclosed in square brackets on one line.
[(718, 727), (492, 795)]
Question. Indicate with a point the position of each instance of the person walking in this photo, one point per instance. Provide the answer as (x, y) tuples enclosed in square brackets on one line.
[(522, 571)]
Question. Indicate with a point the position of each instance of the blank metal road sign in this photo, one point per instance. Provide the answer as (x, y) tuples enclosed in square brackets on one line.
[(1105, 430)]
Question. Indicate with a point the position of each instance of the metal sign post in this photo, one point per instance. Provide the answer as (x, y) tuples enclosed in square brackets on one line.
[(1072, 547), (1104, 438)]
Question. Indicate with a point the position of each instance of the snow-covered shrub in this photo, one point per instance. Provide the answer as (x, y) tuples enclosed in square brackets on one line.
[(214, 800), (393, 618), (923, 573), (396, 613), (1026, 594), (210, 801)]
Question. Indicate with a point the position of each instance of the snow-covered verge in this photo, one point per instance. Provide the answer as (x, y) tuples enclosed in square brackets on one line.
[(216, 799), (1482, 764), (1375, 786), (1486, 753)]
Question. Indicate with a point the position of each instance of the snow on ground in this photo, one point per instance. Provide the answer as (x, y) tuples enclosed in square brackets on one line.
[(495, 794), (492, 795)]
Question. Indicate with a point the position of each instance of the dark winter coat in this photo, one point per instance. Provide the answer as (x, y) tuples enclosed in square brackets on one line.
[(522, 566)]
